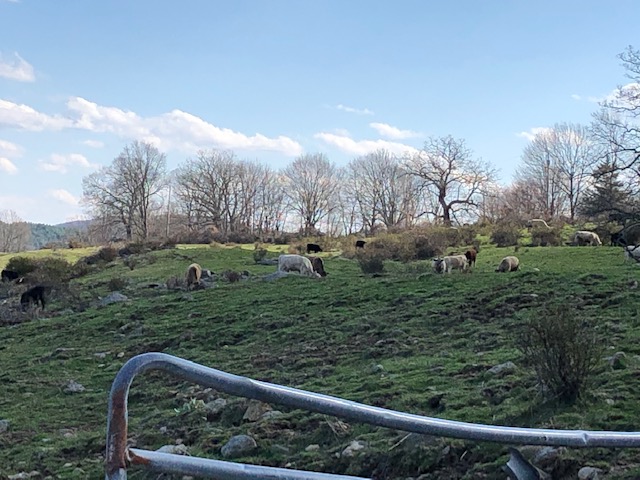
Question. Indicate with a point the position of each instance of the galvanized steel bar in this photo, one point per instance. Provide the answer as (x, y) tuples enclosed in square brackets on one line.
[(117, 453), (220, 470)]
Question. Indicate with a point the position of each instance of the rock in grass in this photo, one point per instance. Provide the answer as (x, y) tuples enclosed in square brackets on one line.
[(113, 298), (73, 387), (4, 426), (238, 445)]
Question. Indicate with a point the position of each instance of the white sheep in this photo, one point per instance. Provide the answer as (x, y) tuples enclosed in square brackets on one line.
[(508, 264), (449, 263)]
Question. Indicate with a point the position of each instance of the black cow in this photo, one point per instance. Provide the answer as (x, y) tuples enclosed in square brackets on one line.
[(313, 248), (360, 243), (617, 239), (318, 266), (9, 275), (33, 295)]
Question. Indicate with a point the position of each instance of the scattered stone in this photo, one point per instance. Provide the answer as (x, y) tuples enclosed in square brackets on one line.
[(352, 448), (187, 297), (238, 445), (194, 315), (163, 429), (610, 401), (73, 387), (120, 355), (101, 355), (314, 447), (215, 407), (4, 425), (255, 410), (547, 456), (179, 449), (376, 368), (589, 473), (24, 475), (275, 276), (503, 369), (271, 414), (113, 297)]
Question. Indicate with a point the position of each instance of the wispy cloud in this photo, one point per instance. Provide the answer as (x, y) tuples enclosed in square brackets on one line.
[(575, 96), (363, 147), (64, 196), (172, 130), (93, 143), (7, 166), (16, 68), (531, 134), (357, 111), (392, 132), (62, 163)]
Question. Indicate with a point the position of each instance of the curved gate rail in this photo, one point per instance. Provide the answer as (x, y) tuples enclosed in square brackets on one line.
[(119, 456)]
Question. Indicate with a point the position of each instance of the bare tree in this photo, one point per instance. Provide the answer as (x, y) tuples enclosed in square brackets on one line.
[(383, 190), (312, 185), (123, 193), (559, 160), (448, 172), (14, 232)]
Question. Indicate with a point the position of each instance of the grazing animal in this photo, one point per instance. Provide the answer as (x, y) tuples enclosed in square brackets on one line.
[(33, 295), (617, 239), (584, 237), (449, 263), (360, 243), (471, 255), (318, 266), (9, 275), (313, 248), (632, 252), (296, 263), (508, 264), (193, 275)]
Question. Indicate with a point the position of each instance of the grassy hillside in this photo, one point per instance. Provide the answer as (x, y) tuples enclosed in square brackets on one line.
[(408, 340)]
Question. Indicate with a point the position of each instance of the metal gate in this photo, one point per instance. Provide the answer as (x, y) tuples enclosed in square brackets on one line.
[(119, 456)]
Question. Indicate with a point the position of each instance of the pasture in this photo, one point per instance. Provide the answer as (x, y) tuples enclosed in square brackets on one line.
[(408, 339)]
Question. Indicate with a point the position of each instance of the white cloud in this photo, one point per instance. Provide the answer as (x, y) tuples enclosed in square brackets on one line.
[(7, 166), (62, 163), (392, 132), (363, 147), (576, 96), (16, 68), (93, 143), (26, 118), (531, 134), (10, 149), (357, 111), (64, 196)]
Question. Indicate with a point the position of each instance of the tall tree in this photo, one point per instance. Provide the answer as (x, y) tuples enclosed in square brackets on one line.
[(608, 198), (312, 186), (559, 160), (123, 193), (14, 232), (447, 171)]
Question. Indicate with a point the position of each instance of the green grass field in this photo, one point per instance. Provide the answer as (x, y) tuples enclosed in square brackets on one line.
[(398, 340)]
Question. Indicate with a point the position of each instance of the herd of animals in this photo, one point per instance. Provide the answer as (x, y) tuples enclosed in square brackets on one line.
[(313, 266)]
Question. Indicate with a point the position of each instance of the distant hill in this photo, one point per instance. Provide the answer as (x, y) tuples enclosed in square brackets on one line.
[(42, 234)]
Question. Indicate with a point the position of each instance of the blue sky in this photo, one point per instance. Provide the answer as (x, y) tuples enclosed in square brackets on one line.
[(271, 79)]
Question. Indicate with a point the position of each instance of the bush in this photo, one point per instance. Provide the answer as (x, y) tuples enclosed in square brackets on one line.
[(116, 283), (370, 261), (259, 254), (505, 235), (22, 265), (545, 237), (562, 348)]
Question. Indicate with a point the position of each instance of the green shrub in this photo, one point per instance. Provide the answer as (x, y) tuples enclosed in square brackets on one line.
[(542, 236), (505, 235), (22, 265), (370, 261), (562, 348), (51, 270), (116, 284), (259, 254)]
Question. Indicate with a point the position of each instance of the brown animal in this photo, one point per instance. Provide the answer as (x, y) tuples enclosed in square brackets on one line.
[(193, 275), (318, 266), (471, 255)]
